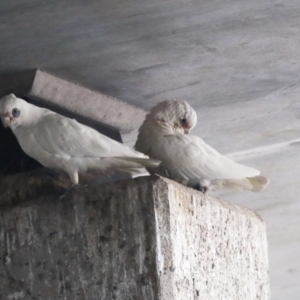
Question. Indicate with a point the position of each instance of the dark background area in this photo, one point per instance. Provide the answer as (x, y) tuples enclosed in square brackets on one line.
[(12, 158)]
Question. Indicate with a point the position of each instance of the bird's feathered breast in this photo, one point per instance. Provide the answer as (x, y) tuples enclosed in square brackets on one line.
[(149, 134)]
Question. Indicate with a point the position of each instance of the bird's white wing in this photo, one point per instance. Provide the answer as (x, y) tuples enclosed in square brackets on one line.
[(68, 138), (190, 157)]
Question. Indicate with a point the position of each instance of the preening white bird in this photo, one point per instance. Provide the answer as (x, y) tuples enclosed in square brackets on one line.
[(64, 144), (187, 159)]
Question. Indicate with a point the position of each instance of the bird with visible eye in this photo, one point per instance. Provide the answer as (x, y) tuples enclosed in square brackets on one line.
[(11, 118), (15, 113), (166, 117), (63, 144), (187, 159), (182, 121)]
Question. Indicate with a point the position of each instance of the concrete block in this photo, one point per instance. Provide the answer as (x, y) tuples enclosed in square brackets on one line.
[(147, 238), (87, 103)]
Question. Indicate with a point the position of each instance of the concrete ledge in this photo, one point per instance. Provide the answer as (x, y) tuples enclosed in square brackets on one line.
[(147, 238)]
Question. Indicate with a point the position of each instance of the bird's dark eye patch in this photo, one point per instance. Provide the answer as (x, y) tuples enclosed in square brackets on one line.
[(15, 113), (182, 121)]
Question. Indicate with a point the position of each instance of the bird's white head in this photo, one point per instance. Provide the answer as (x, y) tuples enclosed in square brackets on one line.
[(13, 111), (176, 114)]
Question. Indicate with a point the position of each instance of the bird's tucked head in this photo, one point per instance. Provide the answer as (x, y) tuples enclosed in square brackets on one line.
[(175, 114), (13, 111)]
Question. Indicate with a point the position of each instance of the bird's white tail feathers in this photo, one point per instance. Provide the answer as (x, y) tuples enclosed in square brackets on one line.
[(144, 162), (255, 184), (123, 164), (259, 183)]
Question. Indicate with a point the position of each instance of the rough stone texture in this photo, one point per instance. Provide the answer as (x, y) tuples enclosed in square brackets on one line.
[(147, 238), (218, 250), (17, 188)]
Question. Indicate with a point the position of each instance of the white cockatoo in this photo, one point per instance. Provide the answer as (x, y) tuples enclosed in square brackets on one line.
[(187, 159), (63, 144)]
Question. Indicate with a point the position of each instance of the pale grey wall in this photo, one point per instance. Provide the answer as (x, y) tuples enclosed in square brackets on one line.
[(209, 52)]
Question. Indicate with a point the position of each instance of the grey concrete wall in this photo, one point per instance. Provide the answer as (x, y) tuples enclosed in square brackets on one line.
[(146, 238), (218, 249)]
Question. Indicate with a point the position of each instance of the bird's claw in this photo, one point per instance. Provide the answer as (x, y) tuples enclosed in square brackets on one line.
[(201, 188), (69, 190)]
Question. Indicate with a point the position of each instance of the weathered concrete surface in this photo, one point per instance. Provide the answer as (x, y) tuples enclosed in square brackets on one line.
[(17, 188), (96, 244), (218, 250), (146, 238)]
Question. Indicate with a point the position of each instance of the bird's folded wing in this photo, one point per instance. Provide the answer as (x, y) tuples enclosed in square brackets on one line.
[(190, 157), (68, 138)]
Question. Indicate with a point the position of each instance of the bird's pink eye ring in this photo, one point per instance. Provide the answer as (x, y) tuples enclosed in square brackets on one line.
[(15, 113)]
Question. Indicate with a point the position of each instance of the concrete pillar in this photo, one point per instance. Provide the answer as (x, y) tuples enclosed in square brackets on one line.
[(147, 238)]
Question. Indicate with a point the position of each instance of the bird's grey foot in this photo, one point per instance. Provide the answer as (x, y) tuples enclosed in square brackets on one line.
[(69, 191), (200, 188), (47, 171)]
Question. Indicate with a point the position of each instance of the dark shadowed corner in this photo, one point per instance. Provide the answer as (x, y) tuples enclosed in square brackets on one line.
[(12, 158), (18, 82)]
